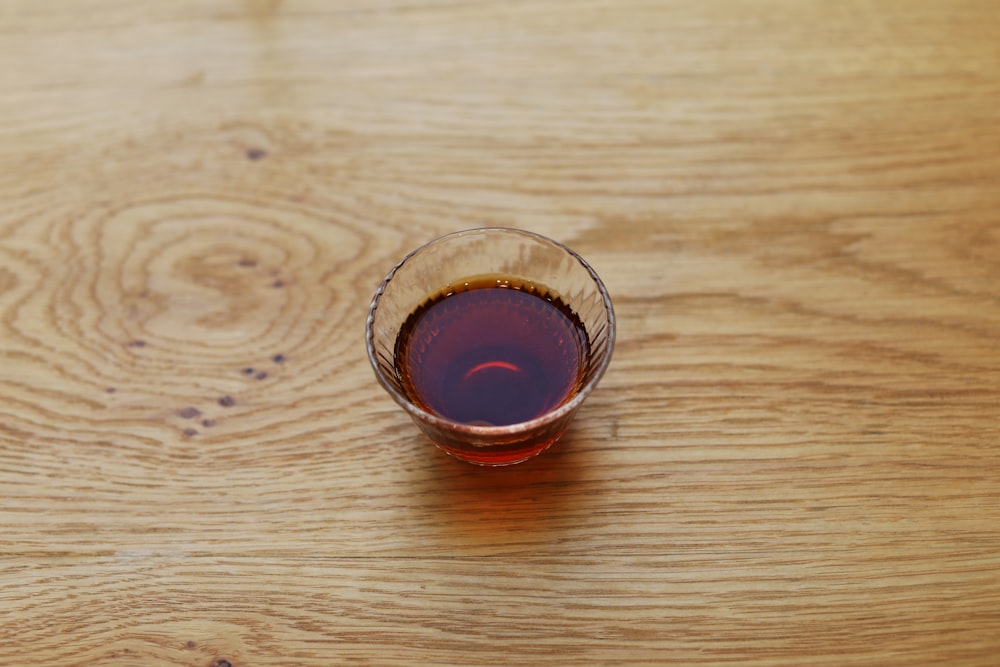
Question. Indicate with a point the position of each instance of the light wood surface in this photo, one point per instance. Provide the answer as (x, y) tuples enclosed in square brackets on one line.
[(794, 458)]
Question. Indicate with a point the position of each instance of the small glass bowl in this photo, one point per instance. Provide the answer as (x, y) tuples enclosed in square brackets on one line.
[(522, 256)]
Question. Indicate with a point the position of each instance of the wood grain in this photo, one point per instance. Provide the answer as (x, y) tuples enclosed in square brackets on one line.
[(793, 459)]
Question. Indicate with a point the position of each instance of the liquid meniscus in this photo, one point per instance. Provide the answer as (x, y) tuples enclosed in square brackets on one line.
[(491, 351)]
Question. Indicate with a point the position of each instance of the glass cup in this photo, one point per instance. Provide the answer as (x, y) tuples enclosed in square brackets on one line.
[(514, 258)]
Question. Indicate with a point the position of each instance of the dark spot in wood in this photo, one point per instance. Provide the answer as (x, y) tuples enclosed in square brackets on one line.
[(189, 412), (222, 662), (227, 401), (278, 284), (261, 376), (190, 644), (248, 263), (208, 423), (248, 370), (256, 154), (278, 358), (189, 432), (137, 343), (111, 390)]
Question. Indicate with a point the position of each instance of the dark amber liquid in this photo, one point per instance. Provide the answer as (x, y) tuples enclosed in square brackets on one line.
[(491, 351)]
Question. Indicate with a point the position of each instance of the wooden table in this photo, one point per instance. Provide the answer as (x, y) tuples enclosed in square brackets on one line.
[(794, 458)]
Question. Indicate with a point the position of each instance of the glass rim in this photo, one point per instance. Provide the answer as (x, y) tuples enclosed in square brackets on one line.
[(481, 430)]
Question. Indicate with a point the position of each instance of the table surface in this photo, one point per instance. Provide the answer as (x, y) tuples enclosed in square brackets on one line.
[(794, 458)]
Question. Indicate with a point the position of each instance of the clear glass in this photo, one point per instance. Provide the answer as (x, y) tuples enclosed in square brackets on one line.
[(520, 255)]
